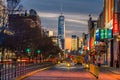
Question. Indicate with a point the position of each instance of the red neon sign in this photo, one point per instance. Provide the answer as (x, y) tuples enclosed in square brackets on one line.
[(115, 23)]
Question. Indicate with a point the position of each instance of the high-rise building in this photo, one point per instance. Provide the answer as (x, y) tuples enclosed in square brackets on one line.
[(54, 39), (61, 31), (49, 33), (80, 42), (74, 43)]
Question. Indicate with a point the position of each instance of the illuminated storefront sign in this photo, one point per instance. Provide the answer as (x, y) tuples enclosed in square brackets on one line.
[(109, 33), (106, 33), (103, 34), (115, 24), (97, 34)]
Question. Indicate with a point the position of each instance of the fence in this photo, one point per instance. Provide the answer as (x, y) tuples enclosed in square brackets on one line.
[(10, 71)]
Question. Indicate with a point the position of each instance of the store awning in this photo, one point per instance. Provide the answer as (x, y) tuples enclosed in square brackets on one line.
[(101, 44)]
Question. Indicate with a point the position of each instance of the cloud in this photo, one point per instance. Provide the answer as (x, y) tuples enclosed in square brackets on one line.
[(75, 32), (47, 15), (74, 23), (75, 11), (76, 6), (69, 17)]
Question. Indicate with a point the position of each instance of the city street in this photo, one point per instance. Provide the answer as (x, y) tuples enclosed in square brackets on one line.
[(61, 72), (59, 39)]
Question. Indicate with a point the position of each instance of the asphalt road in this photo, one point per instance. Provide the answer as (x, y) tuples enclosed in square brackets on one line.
[(61, 72)]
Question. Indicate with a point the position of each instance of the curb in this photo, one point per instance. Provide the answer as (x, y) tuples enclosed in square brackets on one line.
[(114, 72), (31, 73)]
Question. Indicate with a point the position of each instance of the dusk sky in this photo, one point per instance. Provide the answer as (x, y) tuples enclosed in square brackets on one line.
[(75, 11)]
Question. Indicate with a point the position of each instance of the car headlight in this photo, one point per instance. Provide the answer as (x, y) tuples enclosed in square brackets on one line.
[(58, 62), (68, 64), (86, 66)]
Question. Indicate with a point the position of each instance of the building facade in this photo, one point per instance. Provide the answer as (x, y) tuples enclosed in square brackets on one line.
[(55, 40), (49, 33), (61, 32), (74, 43), (109, 19), (112, 21)]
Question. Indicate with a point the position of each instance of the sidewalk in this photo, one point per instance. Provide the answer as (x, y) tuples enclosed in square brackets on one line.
[(115, 70), (111, 69)]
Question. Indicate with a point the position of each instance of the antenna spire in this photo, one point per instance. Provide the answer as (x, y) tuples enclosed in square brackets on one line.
[(61, 9)]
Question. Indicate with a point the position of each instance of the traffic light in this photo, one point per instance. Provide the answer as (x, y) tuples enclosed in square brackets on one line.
[(28, 50), (38, 51)]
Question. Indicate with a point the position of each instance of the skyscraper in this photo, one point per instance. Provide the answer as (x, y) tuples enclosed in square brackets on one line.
[(61, 31), (75, 43)]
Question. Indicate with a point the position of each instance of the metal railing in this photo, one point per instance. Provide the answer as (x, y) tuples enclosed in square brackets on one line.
[(10, 71)]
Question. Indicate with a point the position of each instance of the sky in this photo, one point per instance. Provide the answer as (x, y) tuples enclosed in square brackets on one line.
[(76, 13)]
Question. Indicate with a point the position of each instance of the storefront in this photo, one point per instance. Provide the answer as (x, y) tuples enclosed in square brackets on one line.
[(101, 50)]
